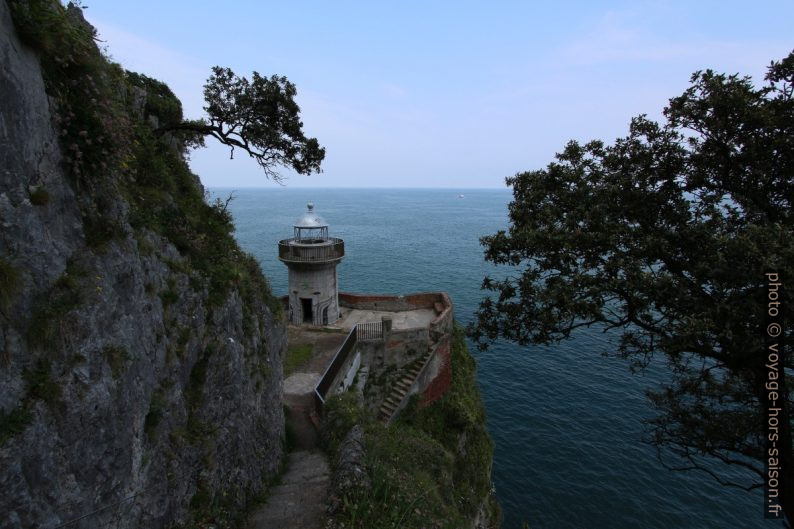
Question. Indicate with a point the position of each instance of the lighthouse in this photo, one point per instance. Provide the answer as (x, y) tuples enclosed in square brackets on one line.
[(311, 257)]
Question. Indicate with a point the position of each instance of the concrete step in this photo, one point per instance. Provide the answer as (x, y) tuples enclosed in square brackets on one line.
[(405, 383), (392, 401), (389, 405)]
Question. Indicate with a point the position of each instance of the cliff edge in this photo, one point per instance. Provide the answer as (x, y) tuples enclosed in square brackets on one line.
[(140, 349)]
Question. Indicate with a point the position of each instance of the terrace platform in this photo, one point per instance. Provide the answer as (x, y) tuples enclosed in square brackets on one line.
[(401, 319)]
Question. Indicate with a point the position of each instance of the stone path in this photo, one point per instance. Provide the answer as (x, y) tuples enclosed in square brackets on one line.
[(298, 502)]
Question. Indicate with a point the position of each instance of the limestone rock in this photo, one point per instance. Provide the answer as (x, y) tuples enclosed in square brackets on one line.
[(351, 470), (122, 406)]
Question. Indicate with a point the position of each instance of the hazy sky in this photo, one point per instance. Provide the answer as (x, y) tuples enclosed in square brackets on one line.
[(442, 94)]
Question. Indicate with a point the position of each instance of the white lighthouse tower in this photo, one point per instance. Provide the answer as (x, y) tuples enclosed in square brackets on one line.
[(311, 257)]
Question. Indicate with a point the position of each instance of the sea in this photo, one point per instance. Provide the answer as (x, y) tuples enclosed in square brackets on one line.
[(566, 421)]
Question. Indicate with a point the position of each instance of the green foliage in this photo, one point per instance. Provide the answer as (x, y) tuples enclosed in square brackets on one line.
[(194, 397), (47, 326), (99, 230), (665, 236), (117, 358), (259, 116), (39, 383), (297, 356), (155, 414), (459, 414), (160, 101), (165, 197), (411, 487), (39, 196), (13, 423), (170, 294), (100, 139), (342, 412), (9, 283), (92, 127)]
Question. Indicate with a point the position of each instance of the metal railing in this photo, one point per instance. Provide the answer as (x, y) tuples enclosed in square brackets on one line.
[(369, 331), (292, 251), (340, 358)]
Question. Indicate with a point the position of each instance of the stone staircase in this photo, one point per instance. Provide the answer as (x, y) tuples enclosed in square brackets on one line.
[(401, 388)]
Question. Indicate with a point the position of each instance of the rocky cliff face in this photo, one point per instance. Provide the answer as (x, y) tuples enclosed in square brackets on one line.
[(140, 352)]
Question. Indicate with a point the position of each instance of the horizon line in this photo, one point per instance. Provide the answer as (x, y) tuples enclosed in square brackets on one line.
[(506, 188)]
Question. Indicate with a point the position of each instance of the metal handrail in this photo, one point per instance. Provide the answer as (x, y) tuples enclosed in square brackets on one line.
[(359, 332), (293, 251), (324, 384)]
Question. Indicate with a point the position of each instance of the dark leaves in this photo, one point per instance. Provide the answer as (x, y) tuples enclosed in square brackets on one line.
[(663, 235)]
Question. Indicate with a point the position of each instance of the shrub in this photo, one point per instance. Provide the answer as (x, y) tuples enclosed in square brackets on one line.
[(9, 283), (13, 423), (116, 357), (39, 383), (39, 196)]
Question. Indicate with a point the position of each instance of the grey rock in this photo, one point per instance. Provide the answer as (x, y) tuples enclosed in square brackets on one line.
[(350, 473), (120, 355)]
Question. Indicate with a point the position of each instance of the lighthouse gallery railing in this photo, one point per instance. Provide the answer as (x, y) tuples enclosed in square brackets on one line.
[(291, 250)]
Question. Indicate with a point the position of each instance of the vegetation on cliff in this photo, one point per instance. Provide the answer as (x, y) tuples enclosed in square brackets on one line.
[(108, 119), (431, 468), (156, 346)]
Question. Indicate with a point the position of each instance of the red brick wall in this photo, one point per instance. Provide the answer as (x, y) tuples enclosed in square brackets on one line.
[(354, 299), (443, 381)]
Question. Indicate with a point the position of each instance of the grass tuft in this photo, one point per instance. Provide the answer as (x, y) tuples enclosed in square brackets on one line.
[(297, 356), (9, 283), (39, 196), (117, 358), (39, 383)]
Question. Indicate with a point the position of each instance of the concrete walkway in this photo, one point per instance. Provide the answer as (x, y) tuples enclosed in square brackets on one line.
[(298, 502)]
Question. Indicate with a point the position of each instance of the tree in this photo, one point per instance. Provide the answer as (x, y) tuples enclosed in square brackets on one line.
[(258, 116), (664, 237)]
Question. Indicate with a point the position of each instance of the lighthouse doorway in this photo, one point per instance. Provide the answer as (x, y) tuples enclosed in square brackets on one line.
[(306, 308)]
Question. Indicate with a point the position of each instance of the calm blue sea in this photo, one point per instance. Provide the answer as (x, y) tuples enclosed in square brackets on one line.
[(566, 421)]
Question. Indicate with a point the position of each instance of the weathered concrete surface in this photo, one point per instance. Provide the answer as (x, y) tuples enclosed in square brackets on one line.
[(317, 282), (406, 319), (299, 386), (298, 502), (324, 342)]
